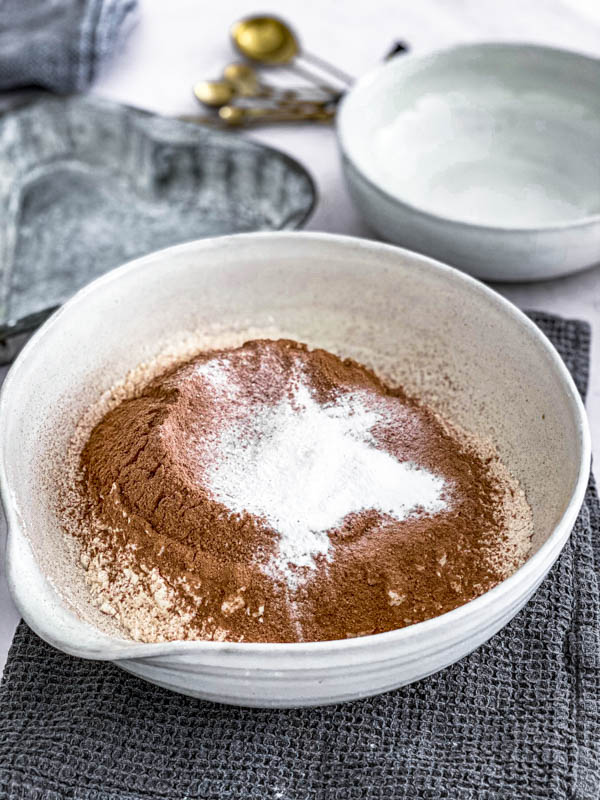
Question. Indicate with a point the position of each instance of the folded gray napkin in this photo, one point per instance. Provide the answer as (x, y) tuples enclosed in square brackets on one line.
[(518, 719), (58, 44)]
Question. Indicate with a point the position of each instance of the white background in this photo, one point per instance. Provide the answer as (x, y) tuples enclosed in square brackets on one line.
[(178, 42)]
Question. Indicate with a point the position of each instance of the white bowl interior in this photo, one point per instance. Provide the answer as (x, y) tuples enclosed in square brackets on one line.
[(443, 335), (498, 135)]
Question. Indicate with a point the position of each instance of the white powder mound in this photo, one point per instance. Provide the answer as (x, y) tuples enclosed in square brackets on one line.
[(303, 467)]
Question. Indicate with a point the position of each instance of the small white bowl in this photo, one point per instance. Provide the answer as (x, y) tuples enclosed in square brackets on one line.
[(457, 343), (485, 156)]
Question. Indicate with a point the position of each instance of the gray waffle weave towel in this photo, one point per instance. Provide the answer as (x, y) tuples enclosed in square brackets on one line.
[(519, 719), (58, 44)]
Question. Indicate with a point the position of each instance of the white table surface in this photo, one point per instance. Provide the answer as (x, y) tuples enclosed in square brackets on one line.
[(176, 43)]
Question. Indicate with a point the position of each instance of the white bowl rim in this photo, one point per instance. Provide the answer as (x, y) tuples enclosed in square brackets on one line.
[(367, 80), (547, 553)]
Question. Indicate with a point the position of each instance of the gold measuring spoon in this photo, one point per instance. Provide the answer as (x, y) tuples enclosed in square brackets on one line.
[(247, 83), (214, 94), (236, 116), (245, 80), (270, 40)]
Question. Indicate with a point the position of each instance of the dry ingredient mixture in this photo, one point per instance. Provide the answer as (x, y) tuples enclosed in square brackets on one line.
[(273, 493)]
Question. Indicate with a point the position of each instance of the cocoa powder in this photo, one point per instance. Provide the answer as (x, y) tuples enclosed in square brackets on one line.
[(172, 557)]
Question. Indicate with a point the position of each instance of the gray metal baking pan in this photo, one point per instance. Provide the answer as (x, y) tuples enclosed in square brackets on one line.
[(87, 184)]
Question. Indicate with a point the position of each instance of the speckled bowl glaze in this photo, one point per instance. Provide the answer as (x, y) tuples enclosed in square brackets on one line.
[(486, 156), (383, 305)]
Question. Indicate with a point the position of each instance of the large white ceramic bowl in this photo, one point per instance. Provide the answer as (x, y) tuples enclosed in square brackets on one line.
[(486, 156), (460, 345)]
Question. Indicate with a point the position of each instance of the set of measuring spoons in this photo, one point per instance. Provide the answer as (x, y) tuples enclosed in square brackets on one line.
[(268, 41)]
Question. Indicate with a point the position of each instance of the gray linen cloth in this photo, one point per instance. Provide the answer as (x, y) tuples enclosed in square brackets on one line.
[(58, 44), (518, 719)]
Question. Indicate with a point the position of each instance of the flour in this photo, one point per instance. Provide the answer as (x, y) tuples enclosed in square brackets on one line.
[(303, 467)]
